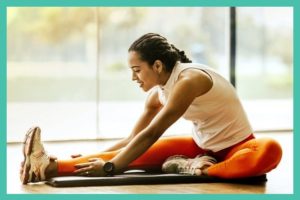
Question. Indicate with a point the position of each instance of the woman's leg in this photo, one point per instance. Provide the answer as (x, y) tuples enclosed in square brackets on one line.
[(252, 158), (153, 158)]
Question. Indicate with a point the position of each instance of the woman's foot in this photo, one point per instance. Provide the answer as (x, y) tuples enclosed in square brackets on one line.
[(36, 159), (180, 164)]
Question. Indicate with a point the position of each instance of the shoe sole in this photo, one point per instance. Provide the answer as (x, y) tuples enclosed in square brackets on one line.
[(27, 149)]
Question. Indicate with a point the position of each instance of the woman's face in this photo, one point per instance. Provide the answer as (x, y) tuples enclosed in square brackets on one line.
[(142, 72)]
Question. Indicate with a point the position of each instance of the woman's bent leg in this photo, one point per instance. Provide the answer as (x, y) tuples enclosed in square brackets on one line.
[(153, 158), (252, 158)]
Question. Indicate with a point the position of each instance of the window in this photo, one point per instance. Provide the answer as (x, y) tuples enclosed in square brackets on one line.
[(51, 72), (69, 75), (265, 65)]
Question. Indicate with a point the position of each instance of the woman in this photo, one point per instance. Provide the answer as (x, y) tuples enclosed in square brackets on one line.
[(222, 143)]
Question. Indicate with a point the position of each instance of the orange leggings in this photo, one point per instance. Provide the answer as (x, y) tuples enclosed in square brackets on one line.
[(250, 157)]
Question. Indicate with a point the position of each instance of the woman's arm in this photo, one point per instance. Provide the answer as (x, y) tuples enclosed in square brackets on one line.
[(152, 107), (188, 87)]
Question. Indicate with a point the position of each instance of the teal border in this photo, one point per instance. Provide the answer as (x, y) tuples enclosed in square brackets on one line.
[(149, 2), (7, 3)]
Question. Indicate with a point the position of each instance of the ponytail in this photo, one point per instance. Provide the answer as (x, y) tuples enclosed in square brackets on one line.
[(183, 58)]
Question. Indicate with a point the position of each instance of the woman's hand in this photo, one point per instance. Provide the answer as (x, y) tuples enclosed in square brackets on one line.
[(92, 168)]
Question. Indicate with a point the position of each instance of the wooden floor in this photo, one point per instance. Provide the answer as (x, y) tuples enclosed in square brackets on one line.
[(280, 180)]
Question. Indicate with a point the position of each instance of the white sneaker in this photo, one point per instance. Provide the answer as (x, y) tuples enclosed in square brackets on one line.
[(179, 164), (36, 159)]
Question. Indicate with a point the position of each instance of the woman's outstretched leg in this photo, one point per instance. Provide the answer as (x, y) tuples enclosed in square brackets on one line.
[(38, 166), (252, 158)]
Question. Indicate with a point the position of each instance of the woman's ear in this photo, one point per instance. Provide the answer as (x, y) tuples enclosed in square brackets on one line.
[(158, 66)]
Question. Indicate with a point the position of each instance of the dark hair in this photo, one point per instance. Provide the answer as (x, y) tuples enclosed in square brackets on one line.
[(152, 47)]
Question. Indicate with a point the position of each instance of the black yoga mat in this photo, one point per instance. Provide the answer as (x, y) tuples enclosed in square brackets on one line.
[(143, 178)]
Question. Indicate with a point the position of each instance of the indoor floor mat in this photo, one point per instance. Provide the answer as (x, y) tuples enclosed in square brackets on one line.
[(143, 179)]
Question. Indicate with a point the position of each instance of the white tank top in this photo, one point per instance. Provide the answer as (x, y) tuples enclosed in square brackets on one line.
[(218, 116)]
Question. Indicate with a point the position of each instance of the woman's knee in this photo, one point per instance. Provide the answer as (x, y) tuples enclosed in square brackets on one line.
[(271, 151)]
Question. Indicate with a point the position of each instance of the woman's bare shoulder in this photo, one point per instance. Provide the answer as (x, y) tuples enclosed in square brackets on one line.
[(199, 80)]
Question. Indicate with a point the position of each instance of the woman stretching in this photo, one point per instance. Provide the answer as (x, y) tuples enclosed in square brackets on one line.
[(222, 143)]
